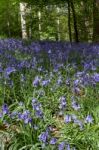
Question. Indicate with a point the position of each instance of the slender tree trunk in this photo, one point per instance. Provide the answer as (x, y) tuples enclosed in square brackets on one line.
[(58, 24), (8, 18), (39, 25), (30, 23), (96, 20), (75, 21), (23, 19), (69, 23)]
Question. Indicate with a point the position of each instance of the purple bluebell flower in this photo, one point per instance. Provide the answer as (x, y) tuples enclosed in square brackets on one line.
[(9, 70), (49, 51), (79, 123), (39, 114), (67, 119), (88, 119), (59, 81), (93, 68), (68, 82), (68, 147), (34, 101), (76, 121), (87, 66), (13, 115), (61, 146), (77, 90), (45, 82), (5, 109), (37, 108), (62, 102), (25, 116), (28, 120), (53, 141), (76, 82), (74, 117), (96, 77), (43, 137), (36, 81), (75, 105)]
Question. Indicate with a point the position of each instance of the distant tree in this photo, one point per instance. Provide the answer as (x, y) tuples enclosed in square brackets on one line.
[(69, 21), (96, 20), (74, 21), (23, 9)]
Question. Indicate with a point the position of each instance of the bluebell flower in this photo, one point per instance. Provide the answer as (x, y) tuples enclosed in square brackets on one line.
[(13, 115), (53, 141), (96, 77), (34, 101), (62, 102), (49, 51), (25, 116), (37, 107), (67, 119), (89, 119), (45, 82), (36, 81), (68, 146), (43, 137), (76, 90), (9, 70), (79, 123), (74, 117), (39, 114), (68, 82), (5, 109), (28, 120), (76, 82), (59, 81), (75, 105), (76, 121), (61, 146)]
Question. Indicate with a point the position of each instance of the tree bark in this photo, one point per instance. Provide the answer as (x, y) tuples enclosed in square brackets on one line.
[(75, 21), (95, 20), (8, 18), (69, 22), (23, 19), (58, 24), (39, 25)]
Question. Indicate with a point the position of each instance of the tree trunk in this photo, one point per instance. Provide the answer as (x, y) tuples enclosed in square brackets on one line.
[(69, 23), (75, 21), (8, 18), (39, 25), (58, 24), (23, 19), (95, 21)]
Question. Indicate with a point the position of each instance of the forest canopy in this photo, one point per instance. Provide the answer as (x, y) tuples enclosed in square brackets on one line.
[(70, 20)]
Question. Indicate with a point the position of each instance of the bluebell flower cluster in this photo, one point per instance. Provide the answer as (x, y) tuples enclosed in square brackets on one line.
[(37, 108), (57, 80)]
